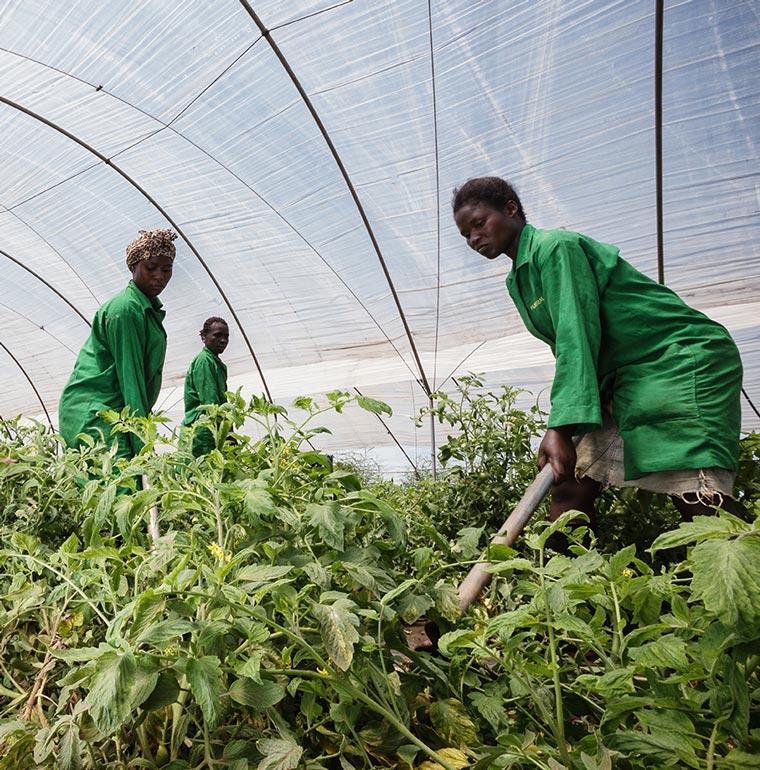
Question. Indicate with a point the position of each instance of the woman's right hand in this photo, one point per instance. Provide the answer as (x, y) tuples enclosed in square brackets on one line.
[(558, 450)]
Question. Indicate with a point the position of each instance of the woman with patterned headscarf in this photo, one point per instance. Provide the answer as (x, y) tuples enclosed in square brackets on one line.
[(122, 360)]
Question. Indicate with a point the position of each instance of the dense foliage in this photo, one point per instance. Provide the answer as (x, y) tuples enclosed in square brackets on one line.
[(264, 628)]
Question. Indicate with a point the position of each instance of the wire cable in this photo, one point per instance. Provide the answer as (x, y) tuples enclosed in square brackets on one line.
[(392, 435)]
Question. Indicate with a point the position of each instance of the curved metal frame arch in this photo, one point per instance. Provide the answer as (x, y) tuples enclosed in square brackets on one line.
[(48, 285), (158, 207), (344, 172), (169, 125), (30, 381), (38, 234)]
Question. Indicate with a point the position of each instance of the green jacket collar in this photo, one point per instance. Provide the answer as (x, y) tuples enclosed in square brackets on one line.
[(145, 302), (210, 353), (524, 250)]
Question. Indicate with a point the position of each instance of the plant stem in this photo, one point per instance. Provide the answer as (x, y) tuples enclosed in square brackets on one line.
[(219, 524), (618, 642), (402, 728), (559, 726), (710, 759)]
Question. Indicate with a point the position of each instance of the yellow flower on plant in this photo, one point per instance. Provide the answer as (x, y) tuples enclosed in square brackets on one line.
[(219, 553)]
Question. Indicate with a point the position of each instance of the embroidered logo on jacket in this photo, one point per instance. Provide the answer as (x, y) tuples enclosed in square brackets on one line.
[(533, 305)]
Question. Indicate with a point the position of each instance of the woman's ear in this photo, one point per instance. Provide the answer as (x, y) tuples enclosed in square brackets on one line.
[(511, 209)]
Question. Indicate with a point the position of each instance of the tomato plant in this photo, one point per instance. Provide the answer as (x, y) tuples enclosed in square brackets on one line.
[(265, 628)]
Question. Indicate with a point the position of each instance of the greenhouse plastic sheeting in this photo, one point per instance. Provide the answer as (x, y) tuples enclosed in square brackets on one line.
[(221, 119)]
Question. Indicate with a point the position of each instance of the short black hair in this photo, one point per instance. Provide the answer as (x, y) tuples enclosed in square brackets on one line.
[(492, 190), (209, 322)]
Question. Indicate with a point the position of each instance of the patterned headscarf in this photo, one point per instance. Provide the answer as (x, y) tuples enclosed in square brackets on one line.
[(151, 243)]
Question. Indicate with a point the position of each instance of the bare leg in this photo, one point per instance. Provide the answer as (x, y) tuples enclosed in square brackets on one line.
[(572, 495), (575, 495)]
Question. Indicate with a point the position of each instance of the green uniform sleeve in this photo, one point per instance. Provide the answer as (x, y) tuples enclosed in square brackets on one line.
[(126, 339), (572, 296)]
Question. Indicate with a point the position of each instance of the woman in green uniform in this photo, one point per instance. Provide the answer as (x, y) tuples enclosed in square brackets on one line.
[(652, 383), (206, 380), (122, 360)]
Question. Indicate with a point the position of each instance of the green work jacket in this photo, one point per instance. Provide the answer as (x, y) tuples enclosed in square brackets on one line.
[(119, 365), (205, 383), (671, 374)]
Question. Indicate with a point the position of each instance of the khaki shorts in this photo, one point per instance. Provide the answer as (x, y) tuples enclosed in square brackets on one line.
[(600, 457)]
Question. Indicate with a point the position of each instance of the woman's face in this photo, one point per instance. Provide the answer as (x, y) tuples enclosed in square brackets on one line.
[(488, 230), (153, 274), (217, 337)]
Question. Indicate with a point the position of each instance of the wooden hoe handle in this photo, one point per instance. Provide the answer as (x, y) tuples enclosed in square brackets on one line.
[(478, 578)]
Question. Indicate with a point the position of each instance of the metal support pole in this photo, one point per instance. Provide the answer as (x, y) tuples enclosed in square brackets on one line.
[(432, 440), (658, 35)]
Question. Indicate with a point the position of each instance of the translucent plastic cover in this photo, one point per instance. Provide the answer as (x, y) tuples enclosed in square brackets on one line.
[(306, 152)]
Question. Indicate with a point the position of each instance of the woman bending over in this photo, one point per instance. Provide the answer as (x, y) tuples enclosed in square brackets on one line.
[(652, 383)]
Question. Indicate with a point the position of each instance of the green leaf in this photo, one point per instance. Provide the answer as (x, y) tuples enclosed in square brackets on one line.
[(398, 590), (575, 625), (740, 760), (730, 699), (701, 528), (252, 667), (105, 504), (258, 502), (407, 754), (660, 746), (373, 405), (455, 640), (564, 522), (390, 516), (109, 697), (164, 693), (666, 652), (165, 631), (258, 696), (670, 721), (205, 678), (411, 606), (329, 520), (79, 654), (727, 579), (452, 723), (491, 708), (70, 748), (145, 680), (360, 574), (147, 607), (468, 542), (612, 683), (262, 573), (620, 560), (446, 598), (279, 754), (338, 626)]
